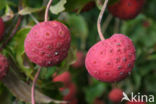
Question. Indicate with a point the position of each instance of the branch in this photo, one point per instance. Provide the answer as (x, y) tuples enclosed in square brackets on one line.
[(12, 33), (100, 18), (33, 86), (47, 10)]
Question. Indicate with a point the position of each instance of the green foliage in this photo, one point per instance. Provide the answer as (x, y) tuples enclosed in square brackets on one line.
[(142, 31)]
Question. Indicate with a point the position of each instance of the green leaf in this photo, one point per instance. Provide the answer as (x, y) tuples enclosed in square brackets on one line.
[(28, 10), (75, 4), (70, 59), (59, 7), (9, 14), (2, 4), (17, 44), (78, 26), (94, 91)]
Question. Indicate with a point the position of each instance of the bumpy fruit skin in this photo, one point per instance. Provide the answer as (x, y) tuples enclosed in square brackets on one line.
[(135, 103), (65, 78), (47, 43), (4, 66), (111, 60), (69, 92), (1, 28), (115, 95), (80, 60), (126, 9)]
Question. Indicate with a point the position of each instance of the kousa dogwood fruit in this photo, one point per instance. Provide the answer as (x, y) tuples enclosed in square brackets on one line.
[(47, 43), (1, 28), (65, 78), (80, 60), (126, 9), (115, 95), (4, 66), (69, 92), (111, 60)]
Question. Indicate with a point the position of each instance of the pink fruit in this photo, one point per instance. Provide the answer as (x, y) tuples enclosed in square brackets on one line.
[(115, 95), (126, 9), (47, 43), (135, 103), (1, 28), (3, 66), (80, 60), (69, 92), (65, 78), (112, 59)]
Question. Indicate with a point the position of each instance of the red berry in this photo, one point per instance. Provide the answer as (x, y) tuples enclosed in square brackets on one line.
[(112, 59), (116, 95), (47, 43), (65, 78), (3, 66), (126, 9), (135, 103), (1, 28), (69, 92), (80, 60)]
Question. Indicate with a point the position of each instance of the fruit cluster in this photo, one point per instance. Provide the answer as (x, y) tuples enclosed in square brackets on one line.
[(69, 88)]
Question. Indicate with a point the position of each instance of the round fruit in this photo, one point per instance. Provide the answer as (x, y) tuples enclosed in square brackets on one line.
[(65, 78), (47, 43), (80, 60), (3, 66), (69, 92), (1, 27), (115, 95), (126, 9), (135, 103), (111, 60)]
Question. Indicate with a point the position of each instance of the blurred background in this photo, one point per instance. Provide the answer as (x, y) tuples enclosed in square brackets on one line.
[(81, 18)]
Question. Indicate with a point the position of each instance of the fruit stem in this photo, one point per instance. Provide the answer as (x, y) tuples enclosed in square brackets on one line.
[(100, 18), (47, 10), (33, 86)]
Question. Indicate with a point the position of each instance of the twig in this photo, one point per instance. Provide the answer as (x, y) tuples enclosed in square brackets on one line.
[(34, 19), (106, 23), (100, 18), (33, 86), (47, 10), (12, 33), (15, 28)]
